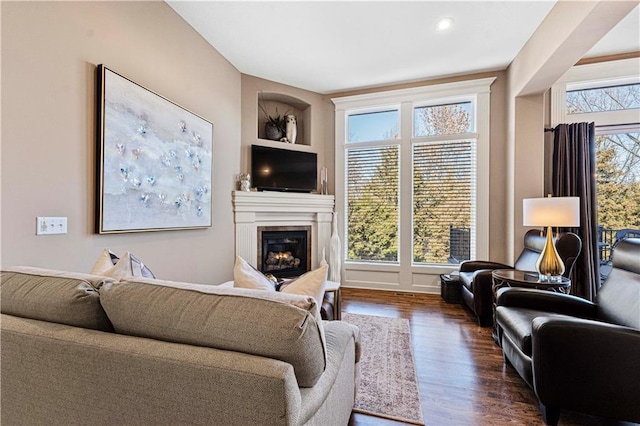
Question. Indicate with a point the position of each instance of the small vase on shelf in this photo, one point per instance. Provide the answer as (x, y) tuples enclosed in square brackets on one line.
[(273, 131)]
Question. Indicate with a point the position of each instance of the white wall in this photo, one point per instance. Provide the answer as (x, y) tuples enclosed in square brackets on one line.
[(49, 54)]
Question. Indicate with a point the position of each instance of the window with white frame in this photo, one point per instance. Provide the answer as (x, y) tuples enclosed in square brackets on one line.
[(608, 94), (412, 175), (372, 185), (444, 183)]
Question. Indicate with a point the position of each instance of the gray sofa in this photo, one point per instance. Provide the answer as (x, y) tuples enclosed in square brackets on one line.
[(84, 349)]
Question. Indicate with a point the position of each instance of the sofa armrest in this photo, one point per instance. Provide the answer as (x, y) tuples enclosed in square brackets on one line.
[(474, 265), (546, 301), (587, 366), (483, 292)]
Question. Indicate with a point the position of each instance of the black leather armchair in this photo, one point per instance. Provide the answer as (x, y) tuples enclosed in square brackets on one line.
[(576, 354), (475, 275)]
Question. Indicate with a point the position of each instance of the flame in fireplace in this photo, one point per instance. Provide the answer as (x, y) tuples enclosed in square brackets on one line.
[(281, 260)]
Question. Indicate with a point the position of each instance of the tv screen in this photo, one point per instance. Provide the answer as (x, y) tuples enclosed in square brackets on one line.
[(274, 169)]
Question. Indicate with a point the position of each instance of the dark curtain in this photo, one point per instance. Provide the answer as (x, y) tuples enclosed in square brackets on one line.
[(574, 175)]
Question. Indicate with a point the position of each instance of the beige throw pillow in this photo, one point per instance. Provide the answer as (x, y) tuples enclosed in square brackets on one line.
[(125, 268), (246, 276), (105, 261), (310, 284)]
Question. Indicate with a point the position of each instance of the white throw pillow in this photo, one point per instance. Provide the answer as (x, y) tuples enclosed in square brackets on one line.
[(131, 267), (127, 267), (310, 284), (246, 276)]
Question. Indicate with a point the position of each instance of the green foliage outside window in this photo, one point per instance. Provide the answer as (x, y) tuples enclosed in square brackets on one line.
[(618, 180), (617, 156), (372, 195)]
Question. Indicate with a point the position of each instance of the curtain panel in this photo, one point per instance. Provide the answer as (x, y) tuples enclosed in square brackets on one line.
[(574, 175)]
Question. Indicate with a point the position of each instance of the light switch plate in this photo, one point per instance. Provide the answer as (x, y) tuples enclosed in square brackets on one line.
[(51, 225)]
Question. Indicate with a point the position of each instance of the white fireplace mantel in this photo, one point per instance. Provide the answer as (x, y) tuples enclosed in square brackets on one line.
[(254, 209)]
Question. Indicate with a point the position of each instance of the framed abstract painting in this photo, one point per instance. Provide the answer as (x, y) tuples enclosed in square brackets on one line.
[(154, 160)]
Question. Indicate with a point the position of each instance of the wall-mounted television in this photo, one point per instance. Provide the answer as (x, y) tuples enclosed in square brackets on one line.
[(275, 169)]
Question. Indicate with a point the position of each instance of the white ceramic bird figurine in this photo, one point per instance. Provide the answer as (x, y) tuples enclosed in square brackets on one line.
[(291, 128)]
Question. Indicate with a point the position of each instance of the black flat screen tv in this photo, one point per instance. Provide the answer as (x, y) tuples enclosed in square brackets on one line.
[(275, 169)]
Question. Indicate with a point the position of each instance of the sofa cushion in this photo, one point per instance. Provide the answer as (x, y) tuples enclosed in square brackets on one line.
[(466, 278), (269, 324), (54, 296), (516, 323), (619, 297)]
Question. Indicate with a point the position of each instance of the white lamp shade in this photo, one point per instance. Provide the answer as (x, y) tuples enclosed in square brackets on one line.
[(551, 211)]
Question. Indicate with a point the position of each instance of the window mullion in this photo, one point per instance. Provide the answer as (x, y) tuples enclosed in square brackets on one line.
[(406, 114)]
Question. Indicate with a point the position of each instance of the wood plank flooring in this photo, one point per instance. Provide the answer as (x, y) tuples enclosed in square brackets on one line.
[(461, 374)]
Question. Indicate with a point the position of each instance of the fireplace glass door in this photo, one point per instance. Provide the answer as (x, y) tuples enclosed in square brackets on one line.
[(284, 253)]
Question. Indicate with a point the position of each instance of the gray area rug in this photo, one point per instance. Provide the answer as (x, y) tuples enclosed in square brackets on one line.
[(388, 384)]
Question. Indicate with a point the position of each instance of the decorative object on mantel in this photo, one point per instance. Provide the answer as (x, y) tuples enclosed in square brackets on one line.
[(334, 251), (154, 160), (291, 129), (274, 126), (244, 181), (324, 190)]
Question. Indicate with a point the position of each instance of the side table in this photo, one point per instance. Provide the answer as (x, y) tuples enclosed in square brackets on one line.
[(451, 288), (528, 279), (334, 287)]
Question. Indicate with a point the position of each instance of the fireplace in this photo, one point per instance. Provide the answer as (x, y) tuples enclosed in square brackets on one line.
[(284, 251), (275, 210)]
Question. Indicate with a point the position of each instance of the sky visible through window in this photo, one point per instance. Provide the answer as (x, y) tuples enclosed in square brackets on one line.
[(373, 126)]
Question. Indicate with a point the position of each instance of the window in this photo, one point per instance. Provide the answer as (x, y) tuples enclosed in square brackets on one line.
[(609, 95), (373, 126), (442, 119), (618, 188), (599, 99), (443, 198), (372, 200), (412, 181), (444, 178)]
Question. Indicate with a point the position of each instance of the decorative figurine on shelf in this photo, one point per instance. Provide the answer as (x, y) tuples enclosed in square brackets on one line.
[(244, 181), (291, 128)]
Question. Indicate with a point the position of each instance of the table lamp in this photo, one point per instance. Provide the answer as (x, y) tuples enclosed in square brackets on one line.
[(548, 212)]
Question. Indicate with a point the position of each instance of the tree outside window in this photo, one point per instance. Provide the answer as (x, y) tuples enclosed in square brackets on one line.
[(617, 161)]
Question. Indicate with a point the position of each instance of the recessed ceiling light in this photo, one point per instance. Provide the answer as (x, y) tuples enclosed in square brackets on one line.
[(444, 23)]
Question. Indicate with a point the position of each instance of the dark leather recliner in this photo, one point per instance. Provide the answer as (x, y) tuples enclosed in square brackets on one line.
[(576, 354), (475, 275)]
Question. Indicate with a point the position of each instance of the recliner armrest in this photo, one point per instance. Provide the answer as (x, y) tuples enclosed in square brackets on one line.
[(587, 366), (474, 265), (546, 301)]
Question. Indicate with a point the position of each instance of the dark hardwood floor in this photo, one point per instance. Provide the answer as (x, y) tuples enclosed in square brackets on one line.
[(461, 374)]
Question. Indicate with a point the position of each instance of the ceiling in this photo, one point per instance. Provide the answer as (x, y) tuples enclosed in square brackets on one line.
[(327, 47)]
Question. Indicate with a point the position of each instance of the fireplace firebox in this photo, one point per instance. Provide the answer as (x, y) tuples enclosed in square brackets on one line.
[(284, 251)]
